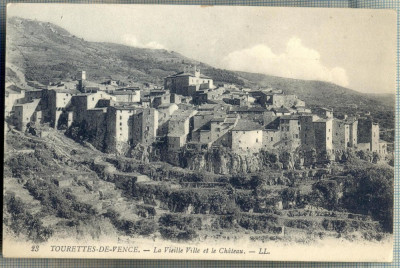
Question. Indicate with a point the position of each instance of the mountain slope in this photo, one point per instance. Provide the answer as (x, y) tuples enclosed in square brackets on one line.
[(317, 93), (46, 52)]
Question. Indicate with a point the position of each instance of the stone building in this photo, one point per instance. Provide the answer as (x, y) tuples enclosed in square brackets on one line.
[(207, 95), (161, 99), (179, 127), (368, 134), (81, 103), (26, 113), (247, 137), (127, 94), (307, 133), (145, 126), (271, 139), (344, 133), (186, 84), (323, 129), (56, 103), (290, 128), (274, 100), (250, 113), (383, 147), (119, 133), (323, 112), (13, 96)]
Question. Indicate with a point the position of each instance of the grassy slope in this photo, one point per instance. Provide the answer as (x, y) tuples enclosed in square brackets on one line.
[(47, 52)]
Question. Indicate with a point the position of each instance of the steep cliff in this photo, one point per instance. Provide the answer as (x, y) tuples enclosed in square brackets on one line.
[(223, 161)]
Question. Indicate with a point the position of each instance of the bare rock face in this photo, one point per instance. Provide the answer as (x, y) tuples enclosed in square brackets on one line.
[(223, 162)]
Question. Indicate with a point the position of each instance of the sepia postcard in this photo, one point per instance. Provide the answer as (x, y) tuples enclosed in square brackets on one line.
[(199, 132)]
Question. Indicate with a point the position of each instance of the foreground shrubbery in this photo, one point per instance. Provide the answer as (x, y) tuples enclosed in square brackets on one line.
[(371, 192), (59, 202), (362, 190), (143, 227), (22, 222), (179, 227)]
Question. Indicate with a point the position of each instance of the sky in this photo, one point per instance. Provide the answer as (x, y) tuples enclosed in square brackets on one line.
[(348, 47)]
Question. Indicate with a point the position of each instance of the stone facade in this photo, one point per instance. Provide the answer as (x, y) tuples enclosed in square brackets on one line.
[(187, 84), (145, 126), (368, 132)]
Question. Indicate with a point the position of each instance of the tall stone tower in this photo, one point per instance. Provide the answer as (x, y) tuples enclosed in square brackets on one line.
[(81, 80), (82, 75)]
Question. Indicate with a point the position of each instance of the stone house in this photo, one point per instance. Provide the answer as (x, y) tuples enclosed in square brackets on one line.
[(247, 137)]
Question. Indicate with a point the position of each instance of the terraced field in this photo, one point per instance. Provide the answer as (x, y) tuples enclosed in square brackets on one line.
[(76, 191)]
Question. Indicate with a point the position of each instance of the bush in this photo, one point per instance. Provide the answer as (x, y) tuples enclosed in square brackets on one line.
[(144, 227), (56, 201), (174, 233), (326, 194), (22, 222), (371, 192)]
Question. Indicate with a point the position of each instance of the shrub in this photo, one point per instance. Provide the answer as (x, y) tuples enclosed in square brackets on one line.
[(22, 222)]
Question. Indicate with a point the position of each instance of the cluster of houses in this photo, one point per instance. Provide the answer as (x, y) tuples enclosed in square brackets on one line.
[(190, 111)]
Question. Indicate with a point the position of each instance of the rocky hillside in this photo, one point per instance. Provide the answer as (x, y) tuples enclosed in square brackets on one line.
[(323, 93), (45, 52)]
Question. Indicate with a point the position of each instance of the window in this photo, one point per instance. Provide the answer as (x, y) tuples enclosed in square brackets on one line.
[(120, 128), (120, 124), (297, 136), (329, 130), (92, 99), (257, 140), (120, 117), (327, 138), (272, 138)]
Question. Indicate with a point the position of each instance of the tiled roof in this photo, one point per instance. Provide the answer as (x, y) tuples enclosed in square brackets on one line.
[(247, 109), (247, 125), (290, 117), (181, 74), (281, 110), (13, 89)]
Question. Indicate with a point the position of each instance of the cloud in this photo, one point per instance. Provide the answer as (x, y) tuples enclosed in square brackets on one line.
[(132, 40), (297, 61)]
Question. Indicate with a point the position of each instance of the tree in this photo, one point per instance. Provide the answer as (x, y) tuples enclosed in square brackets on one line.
[(372, 194)]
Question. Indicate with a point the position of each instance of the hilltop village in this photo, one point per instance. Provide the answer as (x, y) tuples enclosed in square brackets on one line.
[(189, 112)]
